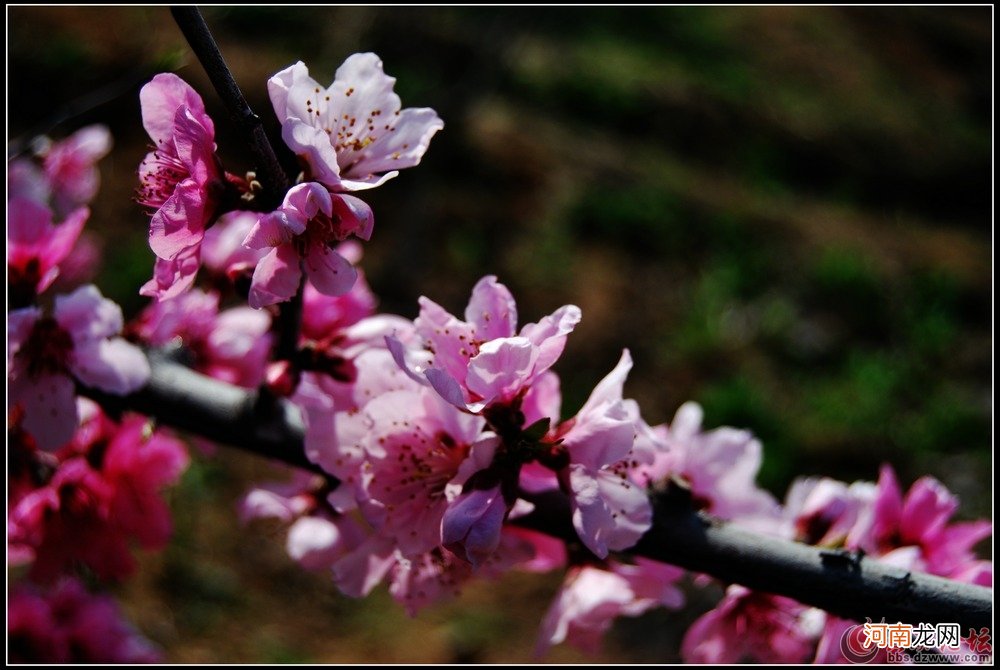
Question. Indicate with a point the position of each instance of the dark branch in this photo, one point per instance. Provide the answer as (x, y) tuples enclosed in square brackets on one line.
[(289, 323), (850, 587), (269, 171), (839, 582), (181, 398)]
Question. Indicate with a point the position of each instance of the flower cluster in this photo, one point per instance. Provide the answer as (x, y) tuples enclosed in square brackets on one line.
[(82, 488), (872, 519), (66, 624), (429, 439), (350, 136)]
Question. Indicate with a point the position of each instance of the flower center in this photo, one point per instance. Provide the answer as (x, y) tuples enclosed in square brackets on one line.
[(321, 230), (22, 281), (159, 175)]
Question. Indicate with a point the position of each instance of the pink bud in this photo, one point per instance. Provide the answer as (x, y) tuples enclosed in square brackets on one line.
[(471, 525), (281, 378)]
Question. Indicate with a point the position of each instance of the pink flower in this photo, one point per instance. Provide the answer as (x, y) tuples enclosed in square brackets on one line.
[(82, 263), (222, 250), (610, 510), (428, 578), (480, 362), (303, 232), (325, 317), (68, 625), (284, 501), (437, 575), (232, 345), (352, 135), (414, 444), (332, 409), (188, 317), (471, 525), (173, 277), (181, 178), (36, 247), (319, 537), (138, 464), (919, 520), (103, 494), (720, 467), (45, 355), (25, 179), (822, 511), (591, 598), (68, 177), (71, 166), (751, 626)]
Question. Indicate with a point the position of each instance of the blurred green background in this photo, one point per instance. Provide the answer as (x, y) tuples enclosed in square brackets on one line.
[(783, 212)]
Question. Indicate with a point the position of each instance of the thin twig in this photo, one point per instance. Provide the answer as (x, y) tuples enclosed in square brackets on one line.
[(270, 174), (288, 324), (856, 589)]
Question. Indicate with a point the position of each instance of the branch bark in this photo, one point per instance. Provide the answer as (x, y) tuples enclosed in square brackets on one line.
[(269, 171), (845, 585), (270, 174)]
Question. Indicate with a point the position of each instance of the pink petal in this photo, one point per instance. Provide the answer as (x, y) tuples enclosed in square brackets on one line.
[(63, 239), (549, 553), (608, 512), (446, 386), (355, 216), (600, 438), (195, 145), (26, 180), (279, 85), (87, 145), (610, 388), (174, 277), (180, 222), (316, 543), (49, 403), (927, 508), (549, 334), (687, 422), (361, 569), (450, 339), (261, 504), (501, 368), (20, 322), (314, 145), (471, 525), (276, 278), (29, 226), (543, 400), (321, 444), (328, 271), (222, 247), (491, 310), (403, 147), (307, 200), (404, 358), (273, 229), (161, 98), (87, 315), (111, 365)]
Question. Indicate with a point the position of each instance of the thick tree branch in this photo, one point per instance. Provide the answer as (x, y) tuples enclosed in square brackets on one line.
[(848, 586)]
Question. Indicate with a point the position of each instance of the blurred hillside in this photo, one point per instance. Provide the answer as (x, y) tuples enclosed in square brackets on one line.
[(783, 212)]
